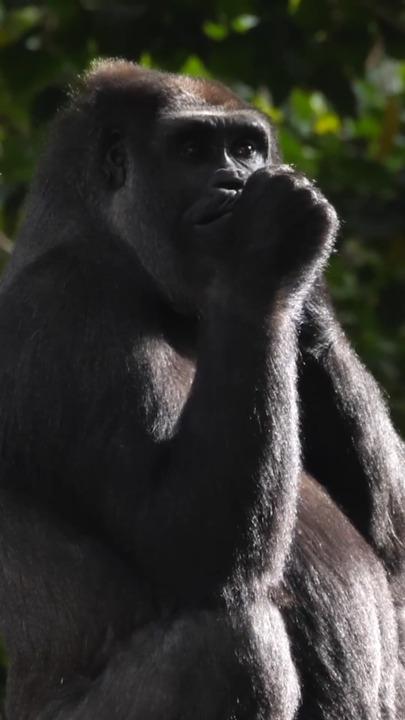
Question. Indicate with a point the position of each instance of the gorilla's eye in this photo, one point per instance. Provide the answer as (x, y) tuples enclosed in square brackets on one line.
[(245, 148)]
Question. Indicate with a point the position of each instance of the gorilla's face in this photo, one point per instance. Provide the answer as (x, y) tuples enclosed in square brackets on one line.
[(173, 185)]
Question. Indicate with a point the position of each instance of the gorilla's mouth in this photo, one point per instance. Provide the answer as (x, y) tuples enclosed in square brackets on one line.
[(218, 203)]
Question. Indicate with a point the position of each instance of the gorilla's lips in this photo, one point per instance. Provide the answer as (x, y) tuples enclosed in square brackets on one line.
[(217, 203)]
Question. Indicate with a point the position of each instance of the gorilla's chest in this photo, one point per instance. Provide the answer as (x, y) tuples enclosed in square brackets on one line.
[(167, 379)]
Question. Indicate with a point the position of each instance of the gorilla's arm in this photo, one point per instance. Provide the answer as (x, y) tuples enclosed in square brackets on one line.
[(229, 475), (350, 444), (238, 434), (178, 507)]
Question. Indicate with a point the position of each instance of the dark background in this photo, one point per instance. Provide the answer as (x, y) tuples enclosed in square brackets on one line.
[(331, 75)]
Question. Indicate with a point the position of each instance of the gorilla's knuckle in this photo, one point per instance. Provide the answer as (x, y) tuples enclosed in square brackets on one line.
[(258, 179), (305, 195), (332, 215), (326, 211), (294, 186)]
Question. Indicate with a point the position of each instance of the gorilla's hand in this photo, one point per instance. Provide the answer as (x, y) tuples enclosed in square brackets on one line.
[(269, 240), (282, 231)]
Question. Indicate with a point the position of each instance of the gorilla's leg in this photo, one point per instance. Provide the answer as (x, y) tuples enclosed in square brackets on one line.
[(189, 669), (71, 613), (341, 618), (67, 603)]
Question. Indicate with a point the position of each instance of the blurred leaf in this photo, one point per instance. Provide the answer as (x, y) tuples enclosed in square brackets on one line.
[(194, 66), (296, 153), (262, 103), (145, 59), (293, 6), (390, 127), (215, 31), (17, 22), (327, 123), (243, 23), (306, 108)]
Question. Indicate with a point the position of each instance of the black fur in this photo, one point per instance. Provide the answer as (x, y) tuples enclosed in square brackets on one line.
[(163, 324)]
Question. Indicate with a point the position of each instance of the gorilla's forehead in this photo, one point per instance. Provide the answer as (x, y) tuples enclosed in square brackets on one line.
[(187, 94), (166, 92)]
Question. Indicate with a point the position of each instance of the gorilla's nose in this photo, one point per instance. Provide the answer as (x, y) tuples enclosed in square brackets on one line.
[(228, 180)]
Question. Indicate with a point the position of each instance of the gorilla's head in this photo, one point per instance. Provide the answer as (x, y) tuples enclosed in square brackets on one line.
[(159, 160)]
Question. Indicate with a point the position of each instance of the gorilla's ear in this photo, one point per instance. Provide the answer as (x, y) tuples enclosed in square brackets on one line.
[(114, 159)]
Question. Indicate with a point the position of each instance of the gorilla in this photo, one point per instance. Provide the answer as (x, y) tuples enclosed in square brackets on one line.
[(202, 497)]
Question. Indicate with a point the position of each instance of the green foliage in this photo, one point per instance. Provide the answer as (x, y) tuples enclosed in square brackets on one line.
[(331, 77)]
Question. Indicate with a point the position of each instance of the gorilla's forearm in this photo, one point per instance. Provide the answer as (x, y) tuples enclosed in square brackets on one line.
[(230, 473), (349, 442), (238, 435)]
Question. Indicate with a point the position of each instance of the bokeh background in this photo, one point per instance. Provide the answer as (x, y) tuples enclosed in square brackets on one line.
[(329, 73)]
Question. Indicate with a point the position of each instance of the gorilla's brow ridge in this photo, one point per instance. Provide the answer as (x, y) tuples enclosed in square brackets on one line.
[(211, 112)]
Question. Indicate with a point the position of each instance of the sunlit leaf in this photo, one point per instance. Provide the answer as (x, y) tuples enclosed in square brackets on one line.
[(387, 77), (194, 66), (293, 6), (146, 60), (33, 43), (366, 126), (301, 111), (15, 114), (327, 123), (17, 22), (215, 30), (317, 103), (297, 153), (264, 105), (244, 23)]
